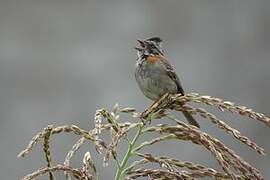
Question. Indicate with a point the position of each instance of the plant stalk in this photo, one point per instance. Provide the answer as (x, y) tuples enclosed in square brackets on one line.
[(129, 153)]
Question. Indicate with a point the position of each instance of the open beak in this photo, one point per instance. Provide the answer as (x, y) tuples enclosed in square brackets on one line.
[(141, 42), (138, 48)]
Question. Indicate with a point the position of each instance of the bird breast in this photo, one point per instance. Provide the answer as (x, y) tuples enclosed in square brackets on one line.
[(153, 79)]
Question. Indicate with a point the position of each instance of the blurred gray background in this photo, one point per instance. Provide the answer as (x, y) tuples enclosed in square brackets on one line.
[(60, 60)]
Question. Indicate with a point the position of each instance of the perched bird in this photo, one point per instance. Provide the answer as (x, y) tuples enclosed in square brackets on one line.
[(154, 74)]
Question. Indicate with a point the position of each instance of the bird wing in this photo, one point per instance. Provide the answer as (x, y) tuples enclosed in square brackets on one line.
[(171, 73)]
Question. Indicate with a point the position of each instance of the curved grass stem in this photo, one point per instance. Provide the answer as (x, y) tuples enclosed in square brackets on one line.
[(120, 170)]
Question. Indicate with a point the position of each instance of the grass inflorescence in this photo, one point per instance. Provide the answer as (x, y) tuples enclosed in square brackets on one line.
[(233, 166)]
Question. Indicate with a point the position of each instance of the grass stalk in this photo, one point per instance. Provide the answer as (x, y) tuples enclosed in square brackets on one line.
[(120, 170)]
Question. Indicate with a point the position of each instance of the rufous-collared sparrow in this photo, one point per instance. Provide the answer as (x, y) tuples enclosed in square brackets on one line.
[(154, 74)]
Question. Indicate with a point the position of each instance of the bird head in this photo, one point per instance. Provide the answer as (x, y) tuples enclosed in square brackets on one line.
[(151, 46)]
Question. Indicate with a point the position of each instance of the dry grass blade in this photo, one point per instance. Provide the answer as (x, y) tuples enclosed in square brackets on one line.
[(225, 156), (31, 144), (89, 169), (111, 118), (154, 141), (96, 131), (70, 154), (98, 122), (231, 157), (111, 152), (66, 128), (136, 163), (46, 149), (221, 104), (186, 132), (218, 155), (197, 170), (158, 174), (236, 160), (126, 126), (222, 125), (74, 129), (75, 172), (116, 137), (127, 110)]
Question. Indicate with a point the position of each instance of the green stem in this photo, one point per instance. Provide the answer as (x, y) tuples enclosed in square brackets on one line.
[(129, 153)]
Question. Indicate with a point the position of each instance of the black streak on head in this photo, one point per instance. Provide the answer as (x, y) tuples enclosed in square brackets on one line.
[(155, 39)]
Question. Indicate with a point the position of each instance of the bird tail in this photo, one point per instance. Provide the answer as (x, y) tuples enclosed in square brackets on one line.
[(191, 119)]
